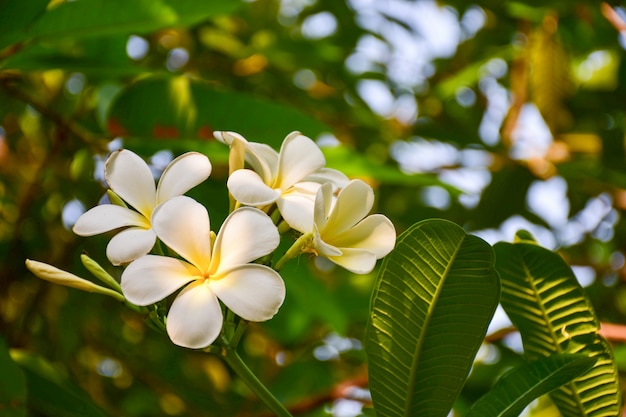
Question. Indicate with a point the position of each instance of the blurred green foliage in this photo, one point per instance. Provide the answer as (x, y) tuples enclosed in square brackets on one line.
[(162, 75)]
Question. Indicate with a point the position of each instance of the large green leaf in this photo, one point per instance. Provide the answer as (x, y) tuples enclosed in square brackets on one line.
[(435, 296), (526, 382), (107, 17), (179, 107), (549, 307)]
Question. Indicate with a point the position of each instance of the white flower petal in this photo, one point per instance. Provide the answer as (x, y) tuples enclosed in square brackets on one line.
[(195, 317), (297, 208), (323, 204), (323, 175), (151, 278), (253, 292), (353, 203), (246, 235), (358, 261), (323, 248), (227, 137), (183, 224), (263, 159), (130, 244), (248, 188), (131, 179), (107, 217), (182, 174), (299, 156), (375, 234)]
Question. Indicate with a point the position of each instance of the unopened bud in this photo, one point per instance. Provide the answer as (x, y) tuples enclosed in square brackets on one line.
[(58, 276), (99, 272)]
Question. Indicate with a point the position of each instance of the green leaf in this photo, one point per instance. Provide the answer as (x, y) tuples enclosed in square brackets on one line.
[(524, 383), (546, 303), (50, 393), (108, 17), (179, 107), (435, 296), (12, 385)]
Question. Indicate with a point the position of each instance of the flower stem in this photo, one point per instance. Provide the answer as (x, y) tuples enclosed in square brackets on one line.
[(294, 250), (233, 359)]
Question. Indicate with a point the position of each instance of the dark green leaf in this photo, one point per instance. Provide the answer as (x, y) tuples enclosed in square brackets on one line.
[(523, 384), (12, 385), (50, 393), (109, 17), (435, 296), (15, 18), (174, 108)]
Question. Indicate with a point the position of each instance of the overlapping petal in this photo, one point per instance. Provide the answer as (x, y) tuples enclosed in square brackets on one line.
[(355, 260), (353, 203), (151, 278), (130, 244), (344, 234), (195, 317), (246, 234), (183, 224), (107, 217), (329, 175), (261, 157), (131, 179), (248, 188), (253, 292), (299, 156), (296, 206), (182, 174), (375, 234)]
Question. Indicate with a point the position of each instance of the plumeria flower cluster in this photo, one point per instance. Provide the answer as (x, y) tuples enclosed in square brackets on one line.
[(272, 192)]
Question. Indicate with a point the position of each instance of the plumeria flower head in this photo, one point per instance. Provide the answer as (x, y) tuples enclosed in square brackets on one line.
[(344, 233), (290, 178), (211, 269), (130, 178)]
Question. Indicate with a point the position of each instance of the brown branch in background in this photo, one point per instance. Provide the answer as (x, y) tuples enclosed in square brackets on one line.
[(343, 390), (613, 332), (613, 17)]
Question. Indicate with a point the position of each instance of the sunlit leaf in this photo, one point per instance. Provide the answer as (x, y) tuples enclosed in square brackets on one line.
[(435, 296), (546, 303)]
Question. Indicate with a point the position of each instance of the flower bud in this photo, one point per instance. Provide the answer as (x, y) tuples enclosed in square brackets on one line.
[(99, 272), (58, 276)]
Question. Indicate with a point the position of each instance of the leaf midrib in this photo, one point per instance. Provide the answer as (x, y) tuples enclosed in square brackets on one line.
[(418, 347)]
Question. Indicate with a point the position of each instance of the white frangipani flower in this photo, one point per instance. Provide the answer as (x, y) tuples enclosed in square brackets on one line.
[(290, 178), (210, 270), (130, 178), (342, 232)]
